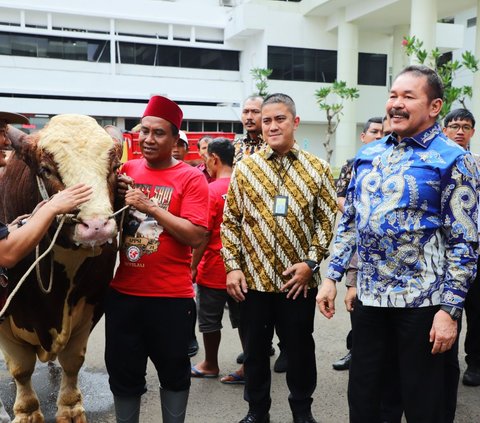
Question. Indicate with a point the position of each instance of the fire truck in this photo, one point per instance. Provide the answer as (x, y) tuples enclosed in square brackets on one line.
[(131, 147)]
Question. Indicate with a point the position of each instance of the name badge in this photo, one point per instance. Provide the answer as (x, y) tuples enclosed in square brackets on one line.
[(280, 205)]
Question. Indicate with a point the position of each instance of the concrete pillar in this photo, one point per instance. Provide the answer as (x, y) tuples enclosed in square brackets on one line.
[(475, 146), (400, 59), (347, 70), (423, 21)]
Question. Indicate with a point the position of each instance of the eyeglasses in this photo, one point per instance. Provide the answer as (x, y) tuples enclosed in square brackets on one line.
[(456, 128)]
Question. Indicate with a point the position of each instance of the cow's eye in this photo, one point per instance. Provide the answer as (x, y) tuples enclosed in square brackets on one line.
[(45, 171)]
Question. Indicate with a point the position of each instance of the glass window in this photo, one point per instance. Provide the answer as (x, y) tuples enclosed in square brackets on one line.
[(326, 66), (195, 126), (168, 56), (225, 126), (302, 64), (280, 60), (210, 126), (237, 128), (5, 44), (202, 58), (372, 69), (126, 52), (24, 45), (55, 47)]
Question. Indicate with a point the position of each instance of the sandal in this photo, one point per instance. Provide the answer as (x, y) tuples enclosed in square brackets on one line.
[(233, 379)]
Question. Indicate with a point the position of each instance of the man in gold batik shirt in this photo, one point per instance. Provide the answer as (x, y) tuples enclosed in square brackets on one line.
[(278, 223)]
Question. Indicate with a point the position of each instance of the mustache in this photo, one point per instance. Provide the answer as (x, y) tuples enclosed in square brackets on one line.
[(396, 112), (249, 121)]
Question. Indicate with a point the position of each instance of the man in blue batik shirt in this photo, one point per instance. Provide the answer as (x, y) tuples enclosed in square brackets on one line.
[(411, 213)]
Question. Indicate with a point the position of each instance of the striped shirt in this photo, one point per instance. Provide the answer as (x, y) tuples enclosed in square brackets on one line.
[(263, 244)]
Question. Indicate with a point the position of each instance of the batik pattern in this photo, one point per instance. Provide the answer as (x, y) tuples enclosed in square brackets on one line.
[(263, 245), (246, 146), (412, 210)]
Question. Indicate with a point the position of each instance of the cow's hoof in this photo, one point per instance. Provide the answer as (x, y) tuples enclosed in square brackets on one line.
[(35, 417), (73, 415)]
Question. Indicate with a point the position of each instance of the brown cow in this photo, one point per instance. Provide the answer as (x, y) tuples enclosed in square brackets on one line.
[(70, 149)]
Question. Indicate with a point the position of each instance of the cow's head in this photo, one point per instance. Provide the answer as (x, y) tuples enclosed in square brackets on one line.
[(69, 150)]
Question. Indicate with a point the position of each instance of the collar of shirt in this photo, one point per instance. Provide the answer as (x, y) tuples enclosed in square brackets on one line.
[(423, 139), (251, 142), (294, 152)]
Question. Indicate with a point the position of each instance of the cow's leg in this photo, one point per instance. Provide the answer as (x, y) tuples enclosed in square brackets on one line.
[(21, 359), (70, 401)]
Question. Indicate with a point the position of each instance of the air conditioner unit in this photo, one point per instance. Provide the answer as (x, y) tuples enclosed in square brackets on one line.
[(229, 3)]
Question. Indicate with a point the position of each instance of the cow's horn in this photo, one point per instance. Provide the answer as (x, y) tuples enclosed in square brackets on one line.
[(16, 137)]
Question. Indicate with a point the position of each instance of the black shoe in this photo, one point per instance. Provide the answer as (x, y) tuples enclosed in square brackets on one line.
[(343, 363), (193, 347), (280, 365), (256, 418), (303, 418), (471, 377), (241, 357)]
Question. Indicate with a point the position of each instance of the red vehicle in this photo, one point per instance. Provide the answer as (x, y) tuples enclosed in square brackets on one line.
[(132, 146)]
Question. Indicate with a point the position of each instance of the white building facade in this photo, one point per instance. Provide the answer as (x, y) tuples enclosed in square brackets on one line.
[(106, 58)]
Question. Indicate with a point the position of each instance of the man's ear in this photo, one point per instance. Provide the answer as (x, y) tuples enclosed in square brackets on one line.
[(436, 107)]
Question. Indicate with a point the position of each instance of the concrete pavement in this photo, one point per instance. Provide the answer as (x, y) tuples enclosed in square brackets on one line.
[(211, 401)]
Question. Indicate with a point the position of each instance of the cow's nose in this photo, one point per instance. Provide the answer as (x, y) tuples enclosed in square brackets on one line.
[(96, 230)]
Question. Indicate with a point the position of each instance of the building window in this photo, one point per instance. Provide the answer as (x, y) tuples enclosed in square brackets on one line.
[(54, 47), (184, 57), (211, 126), (372, 69), (302, 64)]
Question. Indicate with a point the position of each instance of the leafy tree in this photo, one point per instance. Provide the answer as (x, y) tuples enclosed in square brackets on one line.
[(331, 99), (446, 69), (260, 76)]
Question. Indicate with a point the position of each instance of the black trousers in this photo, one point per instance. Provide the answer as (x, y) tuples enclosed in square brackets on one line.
[(472, 312), (259, 314), (138, 328), (378, 332)]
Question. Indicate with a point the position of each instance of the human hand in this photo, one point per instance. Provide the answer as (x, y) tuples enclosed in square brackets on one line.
[(70, 198), (443, 332), (326, 298), (136, 198), (350, 297), (124, 183), (300, 276), (236, 285)]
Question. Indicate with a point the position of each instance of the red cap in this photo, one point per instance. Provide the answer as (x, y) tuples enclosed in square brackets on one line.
[(164, 108)]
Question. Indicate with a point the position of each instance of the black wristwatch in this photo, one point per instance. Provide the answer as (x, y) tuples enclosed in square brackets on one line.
[(454, 312), (314, 266)]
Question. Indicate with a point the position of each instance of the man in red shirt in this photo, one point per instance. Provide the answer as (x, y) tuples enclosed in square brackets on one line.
[(150, 304), (207, 264)]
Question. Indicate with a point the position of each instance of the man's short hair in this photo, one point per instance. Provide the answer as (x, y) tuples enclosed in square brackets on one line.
[(253, 98), (224, 149), (206, 138), (281, 98), (459, 114), (375, 119), (434, 83)]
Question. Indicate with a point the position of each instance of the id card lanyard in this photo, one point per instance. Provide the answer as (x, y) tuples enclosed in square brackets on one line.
[(280, 202)]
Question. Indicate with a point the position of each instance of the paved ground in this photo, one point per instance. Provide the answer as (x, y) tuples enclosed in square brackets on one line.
[(213, 402)]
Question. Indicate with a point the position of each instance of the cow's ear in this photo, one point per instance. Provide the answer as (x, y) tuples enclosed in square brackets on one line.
[(22, 144)]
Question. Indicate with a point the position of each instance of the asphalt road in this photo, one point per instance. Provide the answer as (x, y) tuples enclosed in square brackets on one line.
[(211, 401)]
